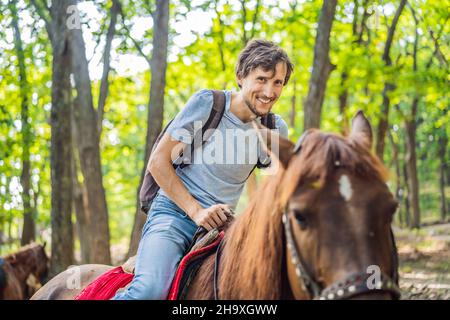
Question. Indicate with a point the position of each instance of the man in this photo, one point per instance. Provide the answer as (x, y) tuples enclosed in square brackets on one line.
[(203, 193)]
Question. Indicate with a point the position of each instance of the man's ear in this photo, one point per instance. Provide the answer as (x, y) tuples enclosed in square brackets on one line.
[(361, 130), (279, 148), (238, 80)]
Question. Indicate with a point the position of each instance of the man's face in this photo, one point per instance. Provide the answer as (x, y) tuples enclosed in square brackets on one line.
[(261, 89)]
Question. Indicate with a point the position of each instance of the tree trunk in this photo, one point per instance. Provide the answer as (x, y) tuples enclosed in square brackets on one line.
[(322, 66), (384, 115), (89, 150), (61, 153), (80, 203), (104, 86), (244, 21), (156, 103), (28, 230), (357, 38), (396, 162), (293, 104), (343, 97), (411, 165), (221, 41), (406, 197), (442, 154)]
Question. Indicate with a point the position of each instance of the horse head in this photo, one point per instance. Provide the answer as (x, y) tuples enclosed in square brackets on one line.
[(337, 216)]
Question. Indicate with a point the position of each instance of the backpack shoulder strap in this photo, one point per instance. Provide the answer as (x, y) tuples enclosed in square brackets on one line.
[(216, 114), (217, 111)]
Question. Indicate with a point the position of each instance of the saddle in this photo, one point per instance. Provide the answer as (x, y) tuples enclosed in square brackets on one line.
[(106, 286)]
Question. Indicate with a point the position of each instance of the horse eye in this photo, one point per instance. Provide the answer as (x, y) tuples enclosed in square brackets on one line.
[(301, 219)]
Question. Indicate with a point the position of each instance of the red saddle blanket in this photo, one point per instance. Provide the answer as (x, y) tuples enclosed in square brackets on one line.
[(106, 285)]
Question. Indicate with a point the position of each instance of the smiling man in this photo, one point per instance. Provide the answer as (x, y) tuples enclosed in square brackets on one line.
[(202, 193)]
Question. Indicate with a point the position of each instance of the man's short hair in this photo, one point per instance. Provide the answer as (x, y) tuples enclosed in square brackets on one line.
[(264, 54)]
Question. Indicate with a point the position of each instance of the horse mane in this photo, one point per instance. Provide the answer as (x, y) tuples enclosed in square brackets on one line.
[(27, 256), (33, 246)]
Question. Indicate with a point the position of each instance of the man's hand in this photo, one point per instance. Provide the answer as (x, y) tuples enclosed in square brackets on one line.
[(212, 217)]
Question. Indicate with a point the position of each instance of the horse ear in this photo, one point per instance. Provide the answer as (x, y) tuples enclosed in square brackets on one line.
[(361, 130), (279, 148)]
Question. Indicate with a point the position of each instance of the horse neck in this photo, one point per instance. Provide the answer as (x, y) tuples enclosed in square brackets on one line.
[(252, 259)]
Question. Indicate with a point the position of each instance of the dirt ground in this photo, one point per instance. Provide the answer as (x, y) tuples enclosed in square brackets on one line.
[(424, 257)]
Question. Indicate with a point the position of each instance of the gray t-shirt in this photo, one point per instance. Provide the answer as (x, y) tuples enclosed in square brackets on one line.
[(222, 165)]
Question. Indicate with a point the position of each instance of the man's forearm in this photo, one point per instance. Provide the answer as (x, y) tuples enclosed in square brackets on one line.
[(167, 179)]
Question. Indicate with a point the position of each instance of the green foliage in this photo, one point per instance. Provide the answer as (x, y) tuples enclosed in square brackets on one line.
[(206, 59)]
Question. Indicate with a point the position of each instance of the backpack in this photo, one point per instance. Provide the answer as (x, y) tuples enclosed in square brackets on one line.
[(150, 188)]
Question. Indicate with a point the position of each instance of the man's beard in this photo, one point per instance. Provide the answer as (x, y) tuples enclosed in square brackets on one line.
[(253, 109)]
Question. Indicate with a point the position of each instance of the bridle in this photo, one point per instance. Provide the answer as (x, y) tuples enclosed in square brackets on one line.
[(353, 285)]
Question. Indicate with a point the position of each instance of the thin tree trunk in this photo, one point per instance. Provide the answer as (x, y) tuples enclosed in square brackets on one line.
[(322, 66), (293, 112), (413, 182), (406, 197), (28, 230), (80, 203), (244, 21), (89, 150), (104, 86), (221, 41), (343, 97), (293, 104), (396, 162), (156, 103), (411, 158), (61, 146), (81, 213), (384, 115), (442, 167), (357, 38), (255, 18)]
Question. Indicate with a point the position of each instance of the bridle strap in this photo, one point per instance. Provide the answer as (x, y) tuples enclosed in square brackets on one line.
[(305, 280)]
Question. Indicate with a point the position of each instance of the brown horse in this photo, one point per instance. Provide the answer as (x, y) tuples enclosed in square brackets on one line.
[(320, 228), (23, 272)]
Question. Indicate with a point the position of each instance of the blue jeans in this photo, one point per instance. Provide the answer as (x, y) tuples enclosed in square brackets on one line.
[(166, 236)]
